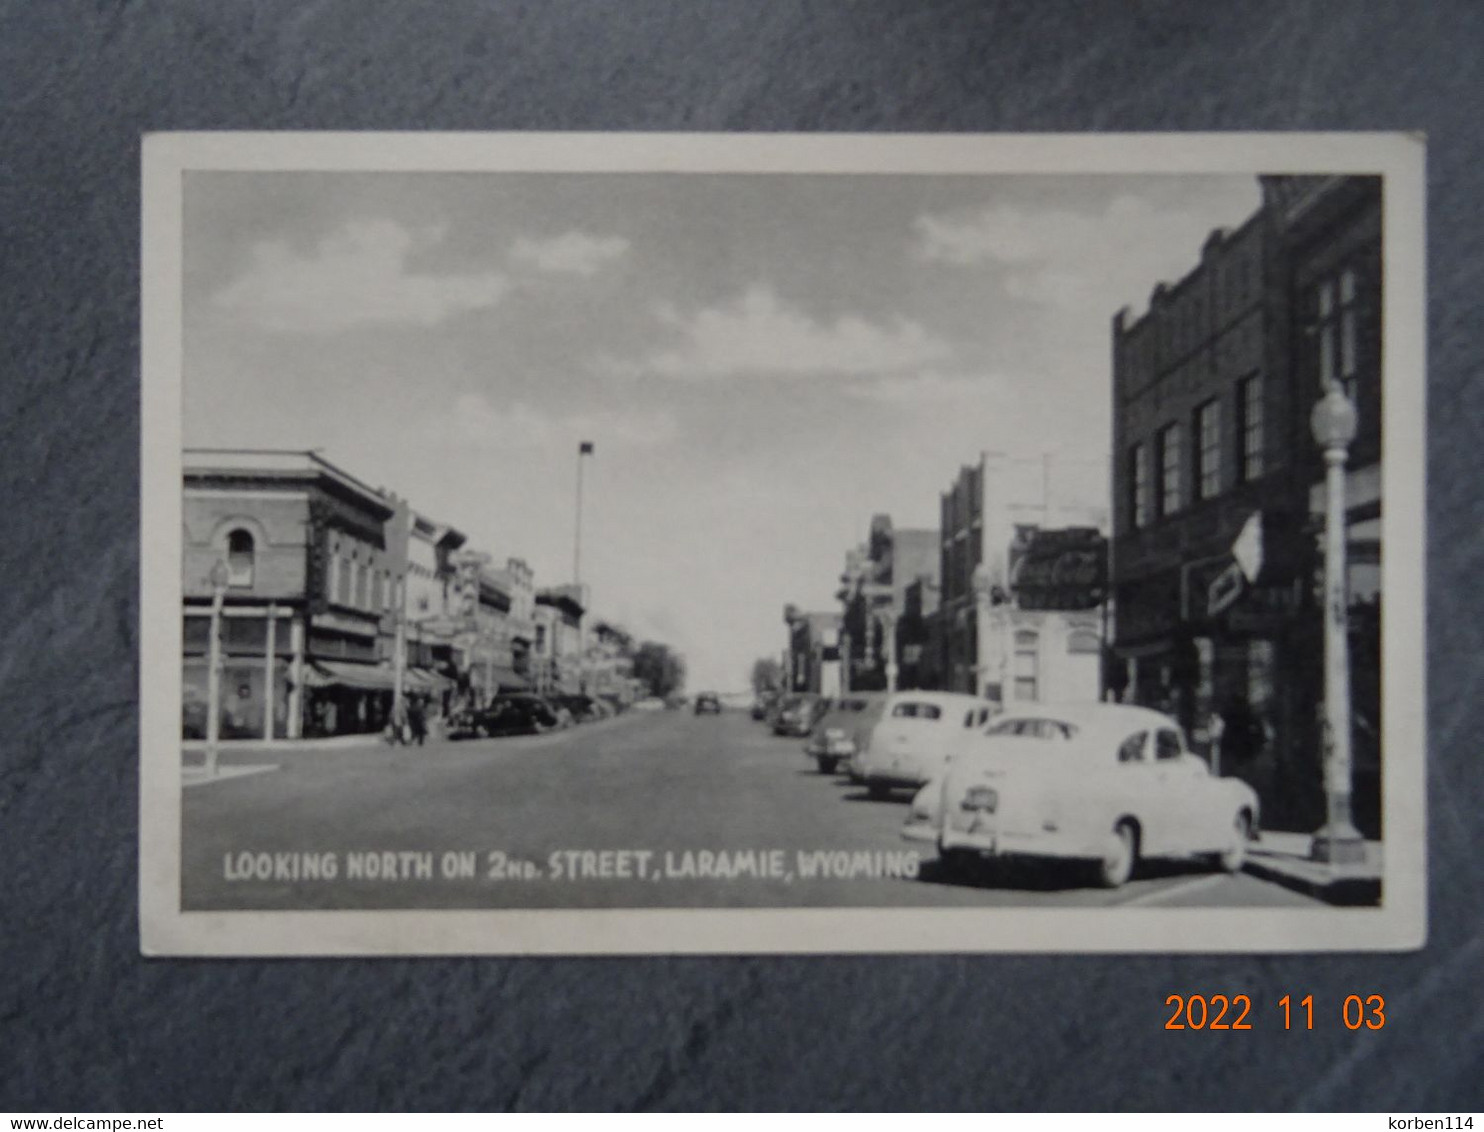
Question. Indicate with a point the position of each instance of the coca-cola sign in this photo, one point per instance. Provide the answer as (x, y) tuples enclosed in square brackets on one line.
[(1062, 569)]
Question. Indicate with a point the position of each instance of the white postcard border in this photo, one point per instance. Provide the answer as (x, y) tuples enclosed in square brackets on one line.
[(1399, 923)]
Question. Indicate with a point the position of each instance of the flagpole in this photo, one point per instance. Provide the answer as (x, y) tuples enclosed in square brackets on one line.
[(577, 537), (584, 448)]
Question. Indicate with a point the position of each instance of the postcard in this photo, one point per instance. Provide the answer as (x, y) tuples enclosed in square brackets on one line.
[(740, 544)]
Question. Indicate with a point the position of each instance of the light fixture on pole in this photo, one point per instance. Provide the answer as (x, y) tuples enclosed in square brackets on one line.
[(219, 577), (1337, 841)]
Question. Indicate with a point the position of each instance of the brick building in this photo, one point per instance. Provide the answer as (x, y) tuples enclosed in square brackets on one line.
[(1216, 478), (313, 572)]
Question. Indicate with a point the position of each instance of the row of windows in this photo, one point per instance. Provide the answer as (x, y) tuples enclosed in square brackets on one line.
[(359, 585), (1157, 491)]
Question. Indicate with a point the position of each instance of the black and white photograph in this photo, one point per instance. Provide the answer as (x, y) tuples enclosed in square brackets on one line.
[(688, 543)]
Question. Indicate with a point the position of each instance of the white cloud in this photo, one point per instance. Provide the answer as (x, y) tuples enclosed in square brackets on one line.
[(356, 276), (572, 253), (758, 334), (475, 419), (930, 387), (1069, 260)]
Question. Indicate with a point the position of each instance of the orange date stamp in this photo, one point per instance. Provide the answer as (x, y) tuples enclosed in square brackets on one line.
[(1235, 1012)]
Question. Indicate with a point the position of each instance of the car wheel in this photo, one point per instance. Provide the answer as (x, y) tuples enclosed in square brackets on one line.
[(826, 765), (1234, 856), (1120, 854)]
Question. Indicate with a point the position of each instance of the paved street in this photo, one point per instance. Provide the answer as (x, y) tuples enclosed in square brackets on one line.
[(648, 810)]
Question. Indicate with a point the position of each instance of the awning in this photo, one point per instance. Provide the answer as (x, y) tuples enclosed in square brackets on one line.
[(425, 680), (347, 674)]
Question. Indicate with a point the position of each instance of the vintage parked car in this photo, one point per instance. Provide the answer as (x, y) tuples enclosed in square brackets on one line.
[(912, 736), (1105, 784), (509, 713), (835, 736), (649, 703), (798, 714), (762, 702), (708, 701)]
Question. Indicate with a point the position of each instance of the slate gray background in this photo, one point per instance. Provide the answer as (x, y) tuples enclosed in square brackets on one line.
[(86, 1024)]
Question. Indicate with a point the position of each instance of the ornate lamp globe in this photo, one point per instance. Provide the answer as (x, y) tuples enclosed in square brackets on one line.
[(1333, 420), (220, 575), (979, 582)]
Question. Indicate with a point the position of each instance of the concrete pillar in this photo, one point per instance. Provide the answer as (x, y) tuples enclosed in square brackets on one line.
[(296, 676), (270, 671)]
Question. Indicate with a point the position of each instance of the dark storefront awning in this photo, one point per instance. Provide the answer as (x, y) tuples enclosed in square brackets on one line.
[(346, 674), (425, 680)]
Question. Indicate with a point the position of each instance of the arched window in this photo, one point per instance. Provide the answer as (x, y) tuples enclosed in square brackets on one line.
[(239, 558)]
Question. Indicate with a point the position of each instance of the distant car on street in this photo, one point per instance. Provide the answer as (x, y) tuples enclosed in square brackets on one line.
[(1103, 784), (708, 702), (912, 736), (762, 702), (649, 703), (834, 738), (798, 714)]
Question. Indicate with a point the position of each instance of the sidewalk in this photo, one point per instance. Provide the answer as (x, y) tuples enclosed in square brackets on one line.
[(194, 775), (1283, 858), (259, 746), (197, 747)]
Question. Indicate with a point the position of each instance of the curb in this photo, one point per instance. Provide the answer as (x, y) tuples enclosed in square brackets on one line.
[(1344, 891)]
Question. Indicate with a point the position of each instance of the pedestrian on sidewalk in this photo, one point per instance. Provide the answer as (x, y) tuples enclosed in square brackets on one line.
[(417, 720)]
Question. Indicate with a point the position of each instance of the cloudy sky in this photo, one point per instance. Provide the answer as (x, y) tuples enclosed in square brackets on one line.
[(762, 362)]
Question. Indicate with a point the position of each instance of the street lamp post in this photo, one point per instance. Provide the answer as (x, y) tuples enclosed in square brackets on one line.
[(889, 646), (219, 578), (1337, 841)]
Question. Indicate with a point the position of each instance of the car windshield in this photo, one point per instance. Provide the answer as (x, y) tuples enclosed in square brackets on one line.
[(1033, 728), (916, 711), (853, 705)]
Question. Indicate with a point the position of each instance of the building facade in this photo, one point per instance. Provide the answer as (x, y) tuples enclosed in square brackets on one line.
[(814, 655), (1217, 481), (610, 664), (919, 641), (873, 597), (559, 646), (311, 571), (1331, 228), (996, 642), (431, 656)]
